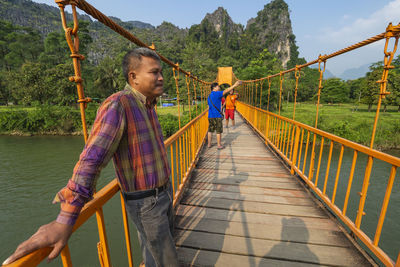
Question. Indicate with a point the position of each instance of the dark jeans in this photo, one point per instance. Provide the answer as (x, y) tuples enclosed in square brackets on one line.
[(153, 217)]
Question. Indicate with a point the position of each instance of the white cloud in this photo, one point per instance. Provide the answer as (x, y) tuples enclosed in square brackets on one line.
[(357, 30), (364, 28), (346, 17)]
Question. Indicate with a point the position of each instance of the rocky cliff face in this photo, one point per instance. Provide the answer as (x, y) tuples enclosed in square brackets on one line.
[(40, 17), (46, 19), (273, 29), (222, 23)]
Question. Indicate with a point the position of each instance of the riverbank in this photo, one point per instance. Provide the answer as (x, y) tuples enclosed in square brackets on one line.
[(343, 120), (66, 121)]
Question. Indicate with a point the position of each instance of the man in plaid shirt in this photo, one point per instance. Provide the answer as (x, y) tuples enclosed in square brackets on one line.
[(127, 130)]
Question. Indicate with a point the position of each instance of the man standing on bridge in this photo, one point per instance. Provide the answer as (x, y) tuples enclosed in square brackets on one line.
[(126, 129), (215, 115)]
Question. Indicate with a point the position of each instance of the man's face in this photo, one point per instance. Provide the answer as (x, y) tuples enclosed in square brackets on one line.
[(148, 78)]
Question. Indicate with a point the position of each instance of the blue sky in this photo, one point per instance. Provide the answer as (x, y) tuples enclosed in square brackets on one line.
[(320, 26)]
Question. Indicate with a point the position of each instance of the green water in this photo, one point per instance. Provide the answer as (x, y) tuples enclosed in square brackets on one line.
[(389, 240), (33, 169)]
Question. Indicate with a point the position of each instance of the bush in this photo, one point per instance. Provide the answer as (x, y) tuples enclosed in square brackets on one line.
[(66, 120), (42, 119)]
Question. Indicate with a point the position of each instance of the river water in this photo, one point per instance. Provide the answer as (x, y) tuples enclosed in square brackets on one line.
[(33, 169)]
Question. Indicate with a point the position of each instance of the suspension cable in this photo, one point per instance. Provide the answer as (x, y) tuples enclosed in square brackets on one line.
[(176, 77), (297, 76), (281, 78)]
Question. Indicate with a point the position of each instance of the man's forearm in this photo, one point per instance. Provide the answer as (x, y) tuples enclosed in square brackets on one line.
[(237, 83)]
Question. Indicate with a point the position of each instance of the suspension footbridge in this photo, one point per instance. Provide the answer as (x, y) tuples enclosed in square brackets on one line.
[(277, 195)]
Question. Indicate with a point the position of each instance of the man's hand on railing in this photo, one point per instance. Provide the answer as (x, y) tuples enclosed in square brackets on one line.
[(53, 235)]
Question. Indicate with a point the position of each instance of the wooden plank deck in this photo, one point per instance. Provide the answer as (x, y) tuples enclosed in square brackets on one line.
[(243, 208)]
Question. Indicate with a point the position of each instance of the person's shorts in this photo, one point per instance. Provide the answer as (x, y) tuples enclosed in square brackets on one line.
[(229, 113), (215, 125)]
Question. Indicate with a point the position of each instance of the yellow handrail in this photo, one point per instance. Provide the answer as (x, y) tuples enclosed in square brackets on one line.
[(276, 133)]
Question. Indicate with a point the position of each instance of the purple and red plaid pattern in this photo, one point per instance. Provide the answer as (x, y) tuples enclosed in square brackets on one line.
[(126, 129)]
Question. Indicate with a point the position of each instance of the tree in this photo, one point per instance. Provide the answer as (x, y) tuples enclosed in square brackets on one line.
[(18, 45), (308, 84), (56, 49), (356, 88), (335, 91), (29, 84), (265, 64), (59, 89), (5, 92), (197, 60), (371, 91), (106, 78), (393, 85), (394, 81)]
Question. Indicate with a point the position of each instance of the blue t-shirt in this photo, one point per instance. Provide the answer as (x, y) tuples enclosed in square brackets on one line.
[(216, 97)]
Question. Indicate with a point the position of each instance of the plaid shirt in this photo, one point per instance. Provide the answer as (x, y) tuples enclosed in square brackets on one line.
[(127, 129)]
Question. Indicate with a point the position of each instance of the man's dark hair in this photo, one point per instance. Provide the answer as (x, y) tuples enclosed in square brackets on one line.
[(133, 58), (213, 85), (224, 86)]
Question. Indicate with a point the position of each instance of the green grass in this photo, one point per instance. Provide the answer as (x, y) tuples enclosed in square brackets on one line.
[(347, 122), (174, 109)]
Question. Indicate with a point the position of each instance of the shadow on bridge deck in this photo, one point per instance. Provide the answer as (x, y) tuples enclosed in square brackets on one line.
[(243, 208)]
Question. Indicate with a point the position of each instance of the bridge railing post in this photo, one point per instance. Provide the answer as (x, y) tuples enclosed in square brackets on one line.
[(267, 130), (295, 149)]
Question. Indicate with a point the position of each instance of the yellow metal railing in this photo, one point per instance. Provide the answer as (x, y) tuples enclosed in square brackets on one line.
[(296, 144)]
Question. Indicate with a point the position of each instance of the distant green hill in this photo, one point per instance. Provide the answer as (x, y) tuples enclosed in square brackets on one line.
[(270, 29)]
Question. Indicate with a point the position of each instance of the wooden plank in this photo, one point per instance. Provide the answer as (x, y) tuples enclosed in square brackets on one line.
[(249, 197), (249, 189), (249, 162), (244, 182), (226, 152), (308, 253), (254, 207), (254, 158), (238, 166), (248, 217), (210, 175), (279, 173), (281, 232), (206, 258)]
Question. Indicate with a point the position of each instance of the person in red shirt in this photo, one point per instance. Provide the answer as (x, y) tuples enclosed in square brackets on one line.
[(230, 106)]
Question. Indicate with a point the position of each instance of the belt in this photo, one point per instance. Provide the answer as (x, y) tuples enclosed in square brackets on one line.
[(145, 193)]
